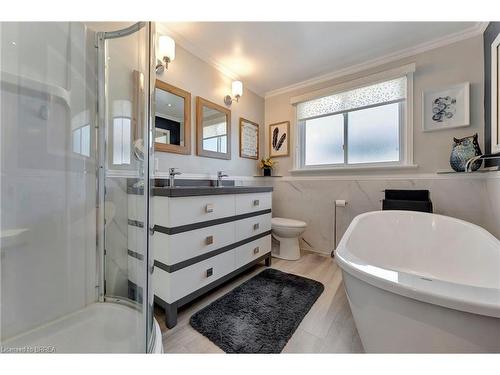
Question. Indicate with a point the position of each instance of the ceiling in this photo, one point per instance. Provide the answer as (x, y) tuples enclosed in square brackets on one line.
[(269, 56), (169, 105)]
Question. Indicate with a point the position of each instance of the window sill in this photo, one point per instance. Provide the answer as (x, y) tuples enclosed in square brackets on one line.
[(353, 168)]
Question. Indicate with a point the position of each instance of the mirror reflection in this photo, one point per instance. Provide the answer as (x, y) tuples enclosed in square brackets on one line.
[(169, 118), (172, 119), (213, 129)]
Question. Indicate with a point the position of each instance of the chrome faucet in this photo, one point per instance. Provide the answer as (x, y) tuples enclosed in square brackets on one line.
[(172, 173), (220, 175), (468, 164)]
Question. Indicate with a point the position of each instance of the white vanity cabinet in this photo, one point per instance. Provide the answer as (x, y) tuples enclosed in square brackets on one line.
[(203, 237)]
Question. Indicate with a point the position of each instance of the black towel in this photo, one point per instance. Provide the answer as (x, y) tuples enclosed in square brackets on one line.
[(408, 195), (400, 204), (408, 200)]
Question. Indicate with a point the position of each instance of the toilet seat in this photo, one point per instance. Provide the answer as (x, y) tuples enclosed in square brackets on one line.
[(280, 222)]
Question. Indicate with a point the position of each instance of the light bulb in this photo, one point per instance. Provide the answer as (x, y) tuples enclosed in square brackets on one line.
[(166, 47), (237, 89)]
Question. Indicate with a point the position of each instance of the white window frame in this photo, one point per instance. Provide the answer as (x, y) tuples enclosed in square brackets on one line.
[(405, 131)]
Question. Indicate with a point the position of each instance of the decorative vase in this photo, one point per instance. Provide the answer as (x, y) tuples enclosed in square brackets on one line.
[(267, 171), (463, 150)]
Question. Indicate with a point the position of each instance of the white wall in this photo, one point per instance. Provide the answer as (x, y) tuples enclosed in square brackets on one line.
[(492, 209)]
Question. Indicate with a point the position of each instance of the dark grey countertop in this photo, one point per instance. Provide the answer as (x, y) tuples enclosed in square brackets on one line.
[(190, 191)]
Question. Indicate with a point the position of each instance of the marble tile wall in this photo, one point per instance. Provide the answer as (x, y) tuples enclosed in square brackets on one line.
[(473, 198), (116, 239), (493, 204)]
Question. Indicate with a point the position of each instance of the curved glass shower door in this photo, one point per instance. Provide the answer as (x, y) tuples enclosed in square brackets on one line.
[(72, 120), (124, 184)]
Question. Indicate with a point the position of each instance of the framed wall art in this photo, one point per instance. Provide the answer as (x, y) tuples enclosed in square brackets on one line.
[(446, 108), (249, 139), (279, 139)]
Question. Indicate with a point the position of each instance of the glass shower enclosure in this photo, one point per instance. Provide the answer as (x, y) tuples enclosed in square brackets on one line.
[(75, 268)]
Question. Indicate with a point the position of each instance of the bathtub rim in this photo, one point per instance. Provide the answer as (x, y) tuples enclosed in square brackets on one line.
[(467, 298)]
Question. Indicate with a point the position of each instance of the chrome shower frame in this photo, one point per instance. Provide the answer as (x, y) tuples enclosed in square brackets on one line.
[(102, 144)]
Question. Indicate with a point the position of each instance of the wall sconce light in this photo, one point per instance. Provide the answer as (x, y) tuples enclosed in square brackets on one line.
[(237, 92), (166, 50)]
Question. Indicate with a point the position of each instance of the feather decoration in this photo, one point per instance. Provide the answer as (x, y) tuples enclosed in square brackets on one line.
[(275, 137), (280, 143)]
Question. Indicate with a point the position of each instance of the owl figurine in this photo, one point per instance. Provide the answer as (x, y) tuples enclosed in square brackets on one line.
[(463, 150)]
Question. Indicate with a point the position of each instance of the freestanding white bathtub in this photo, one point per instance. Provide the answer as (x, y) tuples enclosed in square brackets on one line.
[(422, 283)]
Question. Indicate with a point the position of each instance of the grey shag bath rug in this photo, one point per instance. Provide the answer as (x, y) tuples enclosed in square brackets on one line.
[(260, 315)]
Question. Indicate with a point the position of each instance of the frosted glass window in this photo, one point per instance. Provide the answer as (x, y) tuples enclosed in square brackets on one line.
[(324, 140), (373, 134), (210, 144), (121, 140), (85, 148), (378, 93), (77, 141), (223, 144), (361, 126), (81, 140), (215, 144), (214, 130)]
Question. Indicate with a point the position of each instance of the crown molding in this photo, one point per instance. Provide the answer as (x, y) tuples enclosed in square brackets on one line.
[(470, 32), (204, 56)]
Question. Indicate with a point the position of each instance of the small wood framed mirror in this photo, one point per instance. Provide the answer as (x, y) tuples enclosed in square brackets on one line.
[(172, 119), (213, 130)]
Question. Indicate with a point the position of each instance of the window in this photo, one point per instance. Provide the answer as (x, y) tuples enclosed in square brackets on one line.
[(121, 140), (214, 137), (81, 140), (361, 127)]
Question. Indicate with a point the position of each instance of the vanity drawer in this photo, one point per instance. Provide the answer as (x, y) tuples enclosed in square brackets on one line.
[(171, 287), (252, 226), (175, 248), (174, 212), (252, 250), (252, 202)]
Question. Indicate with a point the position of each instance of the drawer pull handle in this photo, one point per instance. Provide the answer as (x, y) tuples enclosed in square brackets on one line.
[(209, 208), (210, 272), (256, 250), (256, 202), (256, 226), (209, 240)]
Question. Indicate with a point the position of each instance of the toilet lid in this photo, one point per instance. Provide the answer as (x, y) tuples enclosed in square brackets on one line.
[(288, 223)]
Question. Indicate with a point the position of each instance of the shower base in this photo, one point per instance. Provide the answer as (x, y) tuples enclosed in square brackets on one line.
[(98, 328)]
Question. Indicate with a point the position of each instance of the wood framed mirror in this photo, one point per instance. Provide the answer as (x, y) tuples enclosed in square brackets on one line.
[(172, 119), (213, 130)]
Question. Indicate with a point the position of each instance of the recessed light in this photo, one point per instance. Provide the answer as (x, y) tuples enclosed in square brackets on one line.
[(170, 105)]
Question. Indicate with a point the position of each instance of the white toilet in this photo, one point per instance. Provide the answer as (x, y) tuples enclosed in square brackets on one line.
[(286, 234)]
